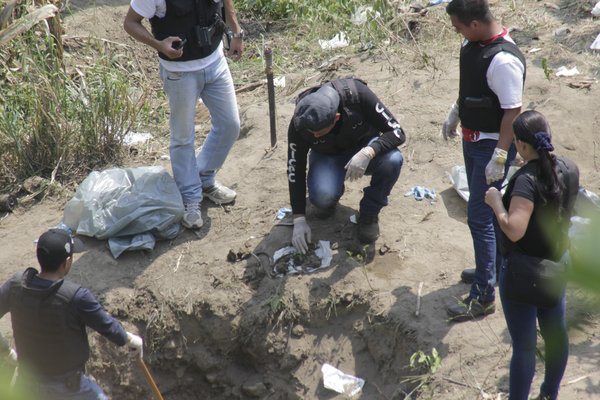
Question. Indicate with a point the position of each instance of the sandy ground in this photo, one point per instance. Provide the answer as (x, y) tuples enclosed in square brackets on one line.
[(220, 330)]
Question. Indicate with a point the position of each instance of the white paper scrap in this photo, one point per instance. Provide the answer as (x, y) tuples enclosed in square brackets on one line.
[(324, 253), (596, 10), (564, 71), (336, 42), (340, 382), (136, 137), (279, 81), (596, 44)]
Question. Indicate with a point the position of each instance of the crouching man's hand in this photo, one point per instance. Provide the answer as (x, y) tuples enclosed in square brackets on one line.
[(301, 234), (135, 345), (358, 164)]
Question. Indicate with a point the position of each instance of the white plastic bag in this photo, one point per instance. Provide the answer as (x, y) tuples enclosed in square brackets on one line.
[(126, 202), (340, 382)]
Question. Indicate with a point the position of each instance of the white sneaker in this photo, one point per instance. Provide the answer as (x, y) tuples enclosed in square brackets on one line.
[(192, 219), (219, 194)]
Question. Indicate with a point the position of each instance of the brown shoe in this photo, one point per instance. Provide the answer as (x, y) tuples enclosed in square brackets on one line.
[(469, 309)]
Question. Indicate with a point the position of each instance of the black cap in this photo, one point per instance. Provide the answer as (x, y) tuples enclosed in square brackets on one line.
[(54, 246), (317, 110)]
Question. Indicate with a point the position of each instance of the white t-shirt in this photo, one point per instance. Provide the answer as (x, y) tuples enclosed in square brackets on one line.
[(158, 8), (505, 78)]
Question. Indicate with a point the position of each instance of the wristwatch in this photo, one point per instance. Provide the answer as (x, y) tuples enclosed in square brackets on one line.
[(241, 34)]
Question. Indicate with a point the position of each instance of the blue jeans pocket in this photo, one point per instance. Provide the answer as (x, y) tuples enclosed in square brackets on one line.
[(173, 76)]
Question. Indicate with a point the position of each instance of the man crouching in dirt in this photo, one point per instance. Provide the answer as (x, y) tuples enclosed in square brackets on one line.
[(350, 133), (492, 74), (49, 316)]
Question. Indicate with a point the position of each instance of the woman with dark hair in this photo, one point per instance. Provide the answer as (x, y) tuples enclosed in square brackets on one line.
[(534, 217)]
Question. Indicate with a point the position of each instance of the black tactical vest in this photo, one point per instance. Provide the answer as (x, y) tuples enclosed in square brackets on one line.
[(351, 130), (50, 340), (557, 222), (191, 19), (479, 107)]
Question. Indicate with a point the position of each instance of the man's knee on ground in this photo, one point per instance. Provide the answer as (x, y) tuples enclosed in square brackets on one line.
[(323, 199)]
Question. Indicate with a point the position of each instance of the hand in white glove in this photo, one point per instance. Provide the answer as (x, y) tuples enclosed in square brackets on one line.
[(135, 344), (301, 234), (357, 165), (451, 123), (494, 171), (12, 355)]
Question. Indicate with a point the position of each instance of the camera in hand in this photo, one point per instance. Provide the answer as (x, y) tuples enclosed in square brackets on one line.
[(179, 44)]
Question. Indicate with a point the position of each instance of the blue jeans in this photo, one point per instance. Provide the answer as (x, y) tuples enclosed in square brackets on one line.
[(480, 216), (57, 390), (521, 319), (326, 176), (215, 86)]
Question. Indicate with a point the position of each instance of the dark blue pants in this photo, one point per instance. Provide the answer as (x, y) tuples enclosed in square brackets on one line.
[(326, 175), (521, 321), (480, 216)]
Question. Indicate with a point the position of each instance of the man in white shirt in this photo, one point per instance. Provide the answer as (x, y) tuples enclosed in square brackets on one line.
[(492, 75), (188, 37)]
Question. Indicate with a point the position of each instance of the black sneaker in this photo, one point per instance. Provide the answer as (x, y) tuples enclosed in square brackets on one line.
[(469, 309), (368, 228), (468, 275)]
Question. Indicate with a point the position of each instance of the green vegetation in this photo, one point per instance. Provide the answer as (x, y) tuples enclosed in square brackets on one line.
[(547, 70), (425, 363), (60, 118), (322, 12), (281, 308), (585, 256)]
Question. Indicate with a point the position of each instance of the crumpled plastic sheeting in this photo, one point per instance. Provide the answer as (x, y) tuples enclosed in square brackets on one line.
[(323, 251), (283, 212), (143, 241), (124, 203)]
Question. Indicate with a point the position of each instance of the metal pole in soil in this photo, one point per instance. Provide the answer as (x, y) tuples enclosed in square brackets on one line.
[(271, 90)]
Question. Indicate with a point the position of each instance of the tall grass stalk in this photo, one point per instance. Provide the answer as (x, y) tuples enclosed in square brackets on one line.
[(62, 119)]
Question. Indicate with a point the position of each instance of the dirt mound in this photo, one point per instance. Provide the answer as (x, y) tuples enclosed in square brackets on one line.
[(217, 329)]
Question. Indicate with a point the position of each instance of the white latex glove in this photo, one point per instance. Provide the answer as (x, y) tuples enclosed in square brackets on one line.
[(451, 123), (135, 344), (494, 171), (357, 165), (12, 356), (301, 234)]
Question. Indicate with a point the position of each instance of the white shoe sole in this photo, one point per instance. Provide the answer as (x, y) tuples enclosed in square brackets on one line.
[(219, 202), (189, 226)]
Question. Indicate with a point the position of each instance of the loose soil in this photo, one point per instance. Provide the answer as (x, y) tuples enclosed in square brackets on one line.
[(217, 329)]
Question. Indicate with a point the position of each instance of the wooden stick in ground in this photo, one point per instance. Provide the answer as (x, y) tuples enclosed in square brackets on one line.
[(149, 379), (419, 291), (15, 375)]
